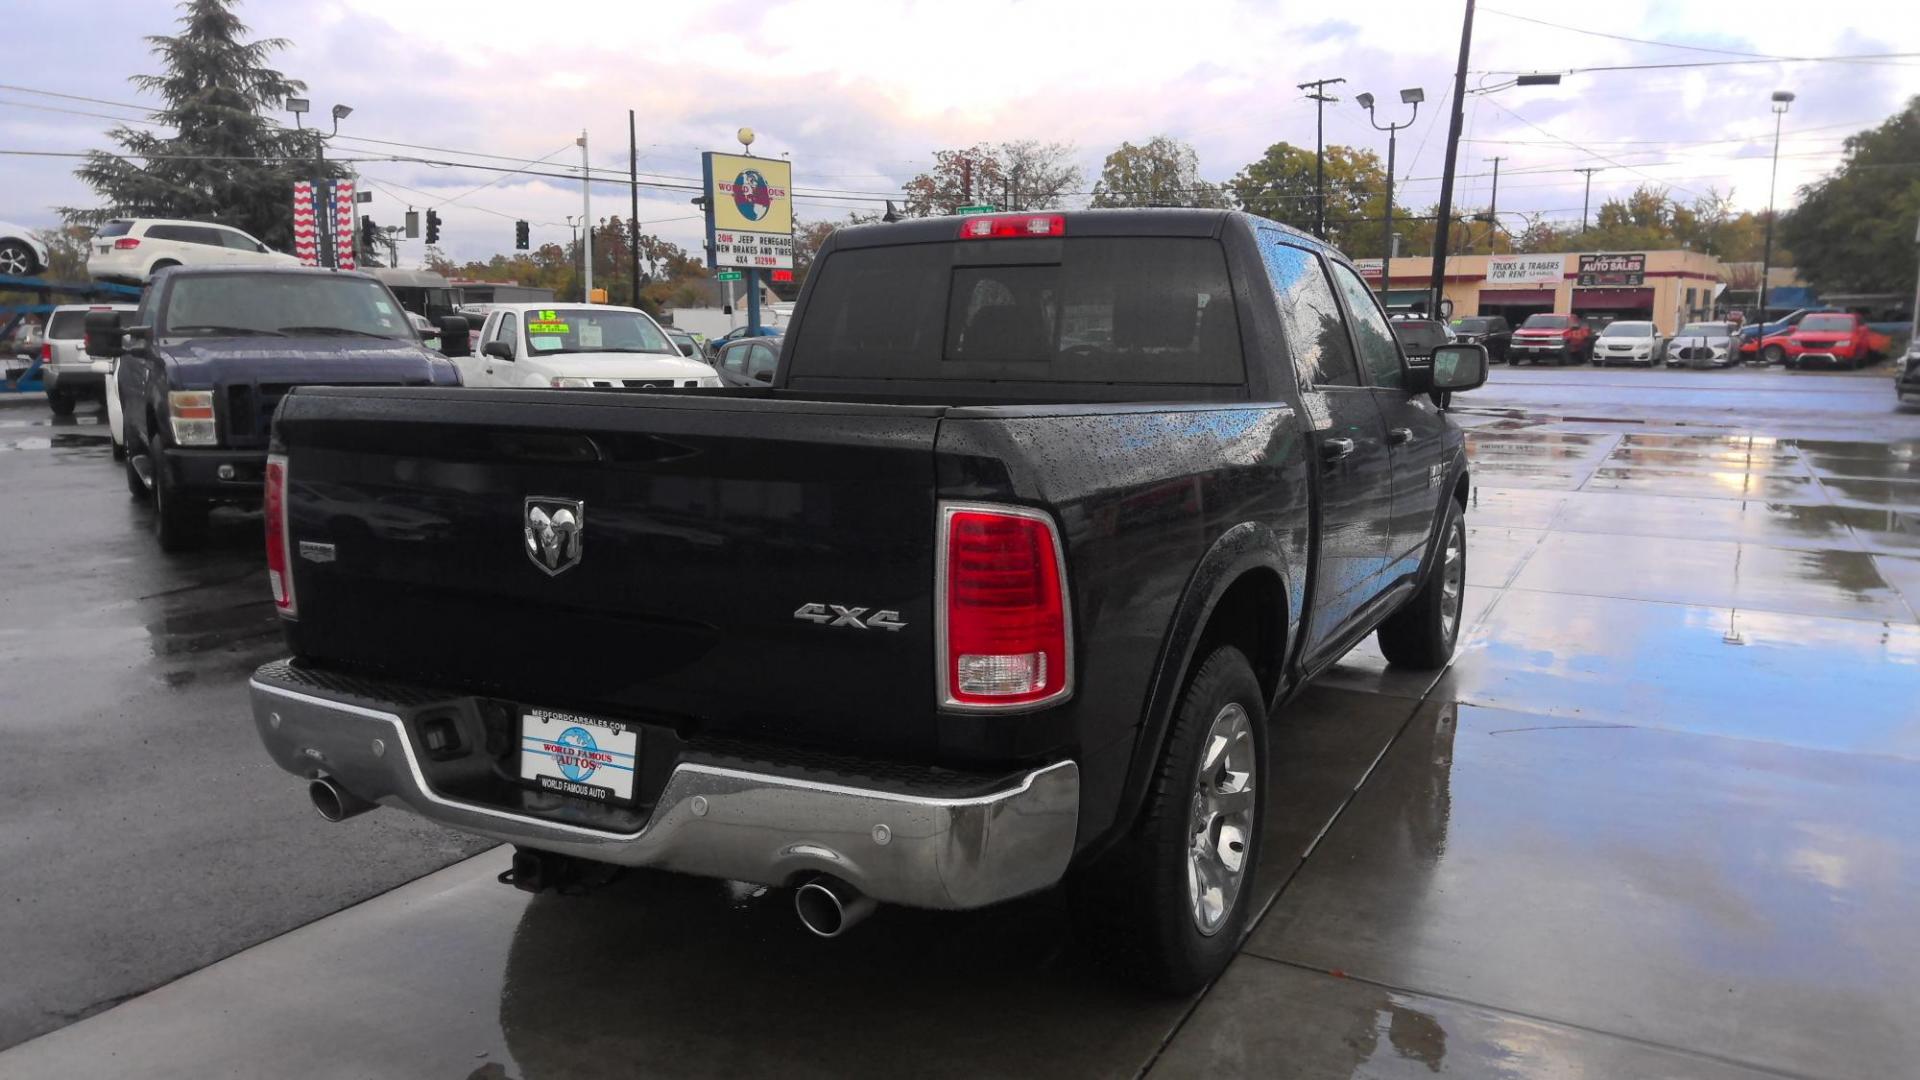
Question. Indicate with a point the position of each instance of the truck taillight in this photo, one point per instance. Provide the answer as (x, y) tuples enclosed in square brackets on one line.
[(1005, 632), (1007, 226), (279, 558), (46, 352), (126, 243)]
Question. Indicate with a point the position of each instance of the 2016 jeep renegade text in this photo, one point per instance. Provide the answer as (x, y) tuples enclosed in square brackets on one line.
[(997, 586)]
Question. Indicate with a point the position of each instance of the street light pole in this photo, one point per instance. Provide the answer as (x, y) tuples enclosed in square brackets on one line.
[(586, 221), (1411, 96), (1781, 99), (1320, 97)]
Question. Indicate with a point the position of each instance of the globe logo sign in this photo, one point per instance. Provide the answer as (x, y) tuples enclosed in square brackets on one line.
[(577, 754), (752, 195)]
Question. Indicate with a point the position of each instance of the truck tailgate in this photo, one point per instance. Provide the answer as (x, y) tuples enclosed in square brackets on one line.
[(706, 522)]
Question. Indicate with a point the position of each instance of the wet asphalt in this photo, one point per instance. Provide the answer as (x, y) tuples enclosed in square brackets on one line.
[(1657, 818)]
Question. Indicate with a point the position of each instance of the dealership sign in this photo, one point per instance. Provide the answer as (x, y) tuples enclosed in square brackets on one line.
[(1371, 269), (749, 211), (1613, 271), (1525, 269)]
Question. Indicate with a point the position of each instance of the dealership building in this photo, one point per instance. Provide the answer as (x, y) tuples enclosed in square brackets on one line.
[(1667, 287)]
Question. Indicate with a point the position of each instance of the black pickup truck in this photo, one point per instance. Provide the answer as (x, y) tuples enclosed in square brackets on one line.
[(995, 587), (210, 352)]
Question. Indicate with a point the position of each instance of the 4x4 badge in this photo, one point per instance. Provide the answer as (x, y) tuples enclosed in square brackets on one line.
[(554, 531)]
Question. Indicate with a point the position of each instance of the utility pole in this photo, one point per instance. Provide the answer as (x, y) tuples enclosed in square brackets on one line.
[(1781, 99), (966, 179), (1321, 97), (633, 220), (1493, 208), (586, 222), (1587, 199), (1437, 284)]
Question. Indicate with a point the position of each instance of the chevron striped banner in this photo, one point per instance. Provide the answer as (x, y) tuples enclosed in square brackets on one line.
[(343, 234), (306, 241), (323, 232)]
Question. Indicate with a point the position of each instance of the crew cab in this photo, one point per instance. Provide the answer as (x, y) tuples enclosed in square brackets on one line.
[(210, 353), (1832, 339), (578, 345), (1562, 339), (995, 587)]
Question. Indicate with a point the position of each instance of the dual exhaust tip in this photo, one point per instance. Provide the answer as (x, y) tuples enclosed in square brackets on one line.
[(826, 905)]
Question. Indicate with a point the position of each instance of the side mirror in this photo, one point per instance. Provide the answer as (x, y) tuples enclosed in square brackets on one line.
[(763, 376), (105, 337), (453, 337), (1459, 367), (498, 349)]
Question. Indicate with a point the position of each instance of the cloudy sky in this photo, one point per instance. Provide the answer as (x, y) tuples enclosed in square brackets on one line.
[(861, 92)]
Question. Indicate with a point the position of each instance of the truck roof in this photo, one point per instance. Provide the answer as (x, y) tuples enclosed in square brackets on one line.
[(247, 268), (1142, 221)]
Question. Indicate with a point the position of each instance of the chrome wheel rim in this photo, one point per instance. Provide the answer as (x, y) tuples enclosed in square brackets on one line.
[(1220, 823), (1453, 580), (14, 261)]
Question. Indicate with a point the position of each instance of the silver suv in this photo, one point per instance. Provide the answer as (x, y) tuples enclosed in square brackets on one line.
[(68, 373)]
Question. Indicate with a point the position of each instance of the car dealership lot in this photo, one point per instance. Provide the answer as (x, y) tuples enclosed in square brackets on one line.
[(1655, 819)]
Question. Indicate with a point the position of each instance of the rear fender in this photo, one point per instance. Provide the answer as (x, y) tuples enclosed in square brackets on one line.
[(1244, 548)]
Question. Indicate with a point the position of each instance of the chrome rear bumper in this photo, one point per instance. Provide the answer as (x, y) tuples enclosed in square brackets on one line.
[(717, 820)]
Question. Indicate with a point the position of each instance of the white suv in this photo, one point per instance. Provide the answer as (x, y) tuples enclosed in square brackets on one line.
[(135, 249), (68, 373)]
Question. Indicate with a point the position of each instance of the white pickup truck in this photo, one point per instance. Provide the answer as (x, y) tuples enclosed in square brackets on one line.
[(578, 345)]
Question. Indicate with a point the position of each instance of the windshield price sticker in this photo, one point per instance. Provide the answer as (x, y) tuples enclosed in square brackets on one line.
[(591, 335), (545, 342), (546, 328)]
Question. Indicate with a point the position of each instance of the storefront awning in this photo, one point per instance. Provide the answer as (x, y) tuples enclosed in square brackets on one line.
[(1498, 297), (1400, 298), (1612, 299)]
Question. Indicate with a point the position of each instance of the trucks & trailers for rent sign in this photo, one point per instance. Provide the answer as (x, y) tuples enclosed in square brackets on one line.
[(749, 211), (1524, 269)]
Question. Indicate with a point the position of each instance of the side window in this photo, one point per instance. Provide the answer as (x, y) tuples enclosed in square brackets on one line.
[(1378, 349), (166, 232), (238, 241), (763, 361), (509, 332), (1316, 333), (734, 358), (203, 236)]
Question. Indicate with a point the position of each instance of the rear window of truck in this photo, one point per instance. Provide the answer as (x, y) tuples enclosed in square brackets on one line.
[(1092, 309)]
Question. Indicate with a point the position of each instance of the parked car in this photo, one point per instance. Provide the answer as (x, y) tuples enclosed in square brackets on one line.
[(134, 249), (965, 608), (684, 342), (1766, 342), (1419, 337), (1834, 340), (552, 345), (68, 373), (213, 350), (21, 350), (1492, 331), (1562, 339), (735, 334), (748, 361), (21, 253), (1702, 344), (1628, 341)]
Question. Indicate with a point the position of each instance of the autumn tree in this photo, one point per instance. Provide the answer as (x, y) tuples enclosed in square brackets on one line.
[(1280, 186), (225, 161), (1162, 171), (1027, 175)]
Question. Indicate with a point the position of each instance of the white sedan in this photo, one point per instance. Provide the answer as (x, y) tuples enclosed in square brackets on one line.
[(555, 345)]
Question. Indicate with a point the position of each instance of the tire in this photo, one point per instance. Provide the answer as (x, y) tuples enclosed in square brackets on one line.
[(179, 523), (61, 404), (1422, 634), (135, 487), (17, 259), (1773, 354), (1138, 904)]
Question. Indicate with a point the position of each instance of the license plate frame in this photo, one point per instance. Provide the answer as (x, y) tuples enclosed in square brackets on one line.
[(586, 757)]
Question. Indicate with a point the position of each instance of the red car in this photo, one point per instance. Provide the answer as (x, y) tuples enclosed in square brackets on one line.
[(1563, 339), (1837, 339)]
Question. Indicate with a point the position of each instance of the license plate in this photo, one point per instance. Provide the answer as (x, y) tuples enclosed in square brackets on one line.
[(583, 756)]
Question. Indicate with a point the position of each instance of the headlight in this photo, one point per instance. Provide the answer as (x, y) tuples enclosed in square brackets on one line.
[(191, 412), (711, 380), (564, 381)]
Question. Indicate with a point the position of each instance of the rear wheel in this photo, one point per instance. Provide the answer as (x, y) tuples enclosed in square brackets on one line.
[(61, 403), (1773, 354), (17, 259), (1170, 904), (1422, 634)]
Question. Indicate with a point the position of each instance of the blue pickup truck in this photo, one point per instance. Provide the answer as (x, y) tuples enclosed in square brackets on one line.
[(210, 353)]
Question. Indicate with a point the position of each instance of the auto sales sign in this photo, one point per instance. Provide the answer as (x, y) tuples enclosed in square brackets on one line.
[(749, 211), (1615, 271), (1524, 269)]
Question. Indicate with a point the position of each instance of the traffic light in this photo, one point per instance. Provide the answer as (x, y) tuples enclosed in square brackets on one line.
[(520, 236), (369, 234), (433, 227)]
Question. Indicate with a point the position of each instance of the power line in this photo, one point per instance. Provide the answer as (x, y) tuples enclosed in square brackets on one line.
[(1646, 41), (1718, 63)]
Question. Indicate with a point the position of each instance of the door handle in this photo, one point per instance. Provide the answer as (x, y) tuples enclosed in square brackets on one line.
[(1332, 450), (1396, 436)]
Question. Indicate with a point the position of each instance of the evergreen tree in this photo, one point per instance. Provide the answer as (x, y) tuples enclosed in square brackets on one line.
[(226, 162)]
